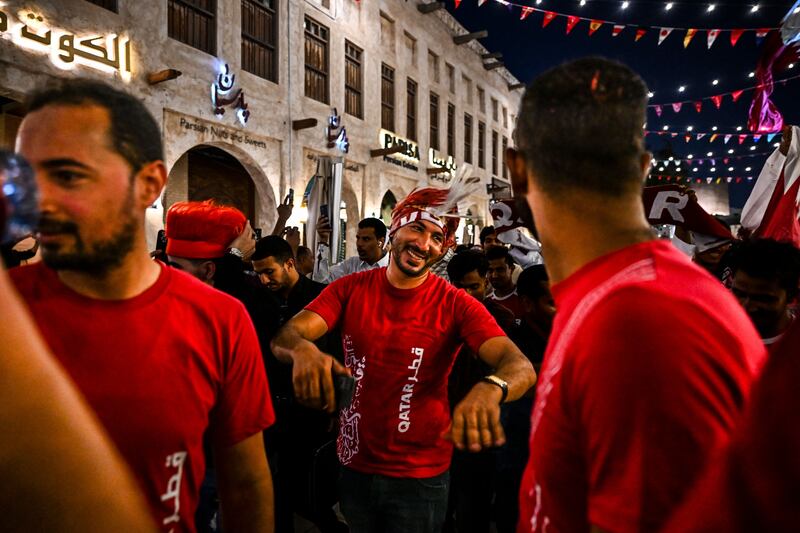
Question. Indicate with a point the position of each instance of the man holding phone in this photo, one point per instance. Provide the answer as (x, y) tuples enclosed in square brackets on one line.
[(401, 330)]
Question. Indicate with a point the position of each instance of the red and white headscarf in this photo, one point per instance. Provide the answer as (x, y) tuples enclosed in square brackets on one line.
[(438, 206)]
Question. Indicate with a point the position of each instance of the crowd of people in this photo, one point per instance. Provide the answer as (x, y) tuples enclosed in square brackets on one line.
[(226, 382)]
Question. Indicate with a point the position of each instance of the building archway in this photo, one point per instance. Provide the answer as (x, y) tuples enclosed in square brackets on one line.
[(388, 203)]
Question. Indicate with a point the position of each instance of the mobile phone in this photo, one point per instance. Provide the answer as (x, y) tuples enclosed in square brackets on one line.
[(257, 232), (323, 211), (291, 195), (344, 387)]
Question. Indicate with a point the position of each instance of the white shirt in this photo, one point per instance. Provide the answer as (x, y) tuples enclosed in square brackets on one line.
[(351, 265)]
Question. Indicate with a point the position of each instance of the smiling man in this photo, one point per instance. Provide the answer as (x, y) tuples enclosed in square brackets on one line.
[(401, 330), (163, 359)]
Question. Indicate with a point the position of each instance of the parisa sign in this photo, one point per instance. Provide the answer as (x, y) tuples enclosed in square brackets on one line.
[(410, 148)]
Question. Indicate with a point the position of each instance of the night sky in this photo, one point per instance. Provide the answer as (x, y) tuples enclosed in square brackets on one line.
[(528, 49)]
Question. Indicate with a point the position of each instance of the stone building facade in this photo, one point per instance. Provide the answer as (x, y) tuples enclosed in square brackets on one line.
[(393, 73)]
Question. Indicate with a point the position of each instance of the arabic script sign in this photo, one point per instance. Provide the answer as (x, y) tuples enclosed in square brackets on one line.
[(109, 53), (446, 163), (223, 95), (337, 133)]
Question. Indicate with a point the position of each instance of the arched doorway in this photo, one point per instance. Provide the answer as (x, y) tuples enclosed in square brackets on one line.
[(215, 174), (388, 203)]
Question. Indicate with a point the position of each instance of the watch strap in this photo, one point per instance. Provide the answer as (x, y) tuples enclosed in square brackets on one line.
[(494, 380)]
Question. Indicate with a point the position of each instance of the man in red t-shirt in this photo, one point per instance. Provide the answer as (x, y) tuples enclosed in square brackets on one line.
[(163, 359), (401, 329), (650, 359)]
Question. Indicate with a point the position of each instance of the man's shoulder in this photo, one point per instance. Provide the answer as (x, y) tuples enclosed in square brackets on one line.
[(187, 290), (26, 277)]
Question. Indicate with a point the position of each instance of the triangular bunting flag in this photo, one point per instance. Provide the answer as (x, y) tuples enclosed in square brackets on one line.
[(729, 179), (658, 111), (718, 181), (594, 25), (717, 100), (481, 2), (738, 180), (689, 34), (525, 12), (708, 180), (571, 21), (770, 136), (713, 162), (713, 137), (700, 162), (688, 138), (700, 136), (677, 107), (639, 34), (712, 36), (736, 94), (760, 34), (735, 34), (673, 134), (742, 138), (548, 18), (663, 34), (617, 29), (726, 159), (727, 138), (698, 106), (756, 138), (458, 3)]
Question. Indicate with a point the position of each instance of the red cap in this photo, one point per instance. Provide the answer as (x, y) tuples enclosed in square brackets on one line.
[(202, 230)]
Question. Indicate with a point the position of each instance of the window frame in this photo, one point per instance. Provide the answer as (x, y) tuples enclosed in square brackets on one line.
[(433, 121), (468, 122), (411, 109), (388, 105), (308, 34), (270, 47), (348, 89), (211, 38)]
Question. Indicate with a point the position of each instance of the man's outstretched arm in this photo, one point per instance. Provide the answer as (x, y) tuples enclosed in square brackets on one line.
[(476, 418), (312, 370)]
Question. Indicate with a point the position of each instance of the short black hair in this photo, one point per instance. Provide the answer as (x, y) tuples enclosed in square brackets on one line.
[(580, 126), (465, 262), (485, 232), (376, 224), (304, 251), (135, 134), (530, 281), (273, 246), (500, 252), (768, 259)]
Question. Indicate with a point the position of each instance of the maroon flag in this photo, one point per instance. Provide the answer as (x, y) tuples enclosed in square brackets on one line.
[(735, 34), (571, 22), (736, 94), (617, 29), (669, 204), (525, 12), (698, 106), (717, 100), (548, 18), (676, 107)]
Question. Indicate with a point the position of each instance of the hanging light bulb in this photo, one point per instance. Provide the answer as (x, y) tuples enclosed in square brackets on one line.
[(715, 82), (738, 128), (752, 148), (689, 128), (681, 88), (714, 128), (791, 65), (754, 8), (690, 156), (583, 2), (730, 169), (710, 8), (625, 4), (665, 128), (751, 75), (661, 169), (650, 94), (748, 169), (668, 6), (694, 169), (709, 154), (713, 169), (730, 151)]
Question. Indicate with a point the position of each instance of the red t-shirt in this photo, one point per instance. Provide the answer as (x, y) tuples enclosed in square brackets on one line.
[(510, 302), (753, 486), (649, 364), (158, 369), (400, 345)]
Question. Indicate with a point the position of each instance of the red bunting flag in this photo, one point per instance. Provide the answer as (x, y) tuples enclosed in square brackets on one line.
[(673, 134), (677, 107), (727, 138), (639, 34), (548, 18), (712, 36), (712, 139), (762, 33), (594, 25), (736, 94), (617, 29), (725, 160), (688, 138), (571, 22), (717, 100), (738, 180), (689, 34), (698, 106), (525, 12), (735, 34), (458, 3), (658, 110), (663, 34), (742, 138)]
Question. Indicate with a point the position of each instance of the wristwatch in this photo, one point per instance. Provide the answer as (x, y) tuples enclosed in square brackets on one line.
[(494, 380), (237, 252)]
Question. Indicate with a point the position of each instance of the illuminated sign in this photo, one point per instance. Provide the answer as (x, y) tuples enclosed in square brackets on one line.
[(447, 164), (223, 95), (410, 148), (108, 53)]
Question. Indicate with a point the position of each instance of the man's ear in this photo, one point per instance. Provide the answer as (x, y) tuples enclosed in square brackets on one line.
[(149, 182), (644, 164), (290, 264), (518, 170), (209, 270)]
